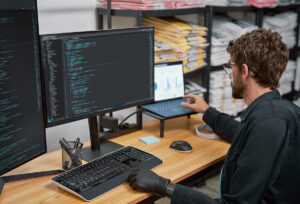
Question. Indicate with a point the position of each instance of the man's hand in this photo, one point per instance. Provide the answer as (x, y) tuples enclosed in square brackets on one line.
[(195, 103), (147, 180)]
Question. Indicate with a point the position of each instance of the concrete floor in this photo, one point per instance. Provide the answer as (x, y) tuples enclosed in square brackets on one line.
[(211, 189)]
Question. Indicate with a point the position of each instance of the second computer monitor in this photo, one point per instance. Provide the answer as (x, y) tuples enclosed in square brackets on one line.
[(92, 72)]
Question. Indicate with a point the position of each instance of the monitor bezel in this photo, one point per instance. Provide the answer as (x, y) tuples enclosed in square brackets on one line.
[(116, 107), (32, 10)]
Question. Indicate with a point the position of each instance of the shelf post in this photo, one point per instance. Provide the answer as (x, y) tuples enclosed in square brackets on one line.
[(108, 14), (208, 23)]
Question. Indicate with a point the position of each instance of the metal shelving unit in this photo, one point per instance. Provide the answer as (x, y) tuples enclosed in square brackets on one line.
[(140, 14), (208, 12), (293, 51)]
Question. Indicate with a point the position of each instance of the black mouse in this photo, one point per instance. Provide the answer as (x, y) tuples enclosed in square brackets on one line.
[(181, 146)]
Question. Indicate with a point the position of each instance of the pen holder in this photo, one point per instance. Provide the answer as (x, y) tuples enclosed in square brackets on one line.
[(71, 157)]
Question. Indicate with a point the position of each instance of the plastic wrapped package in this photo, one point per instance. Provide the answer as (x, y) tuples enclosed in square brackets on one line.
[(189, 3), (219, 54), (285, 88), (285, 2), (138, 5), (287, 78), (226, 29), (166, 56), (285, 24), (220, 94), (188, 40), (216, 3), (161, 46), (191, 87), (192, 65), (237, 2), (151, 4), (262, 3)]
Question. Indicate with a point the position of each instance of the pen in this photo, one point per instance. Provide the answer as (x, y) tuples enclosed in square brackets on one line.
[(65, 143), (77, 142)]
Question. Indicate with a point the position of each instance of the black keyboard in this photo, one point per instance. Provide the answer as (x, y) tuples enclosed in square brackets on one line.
[(95, 178)]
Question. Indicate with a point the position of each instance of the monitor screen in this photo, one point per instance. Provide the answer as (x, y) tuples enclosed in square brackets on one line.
[(92, 72), (168, 81), (22, 132), (17, 4)]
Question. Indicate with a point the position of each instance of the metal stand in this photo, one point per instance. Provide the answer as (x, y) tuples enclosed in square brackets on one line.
[(26, 176), (162, 120), (99, 136), (99, 147)]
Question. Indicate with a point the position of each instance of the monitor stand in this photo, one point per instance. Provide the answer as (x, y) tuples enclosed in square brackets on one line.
[(1, 184), (99, 147), (18, 177)]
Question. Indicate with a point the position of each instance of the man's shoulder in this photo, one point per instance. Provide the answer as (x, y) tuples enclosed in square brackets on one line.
[(276, 108)]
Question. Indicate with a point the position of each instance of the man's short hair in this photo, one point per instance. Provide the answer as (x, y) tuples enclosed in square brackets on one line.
[(263, 52)]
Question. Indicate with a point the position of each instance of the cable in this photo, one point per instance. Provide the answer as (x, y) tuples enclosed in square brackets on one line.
[(121, 123)]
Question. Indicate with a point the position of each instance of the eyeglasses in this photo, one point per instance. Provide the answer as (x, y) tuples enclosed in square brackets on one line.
[(228, 67)]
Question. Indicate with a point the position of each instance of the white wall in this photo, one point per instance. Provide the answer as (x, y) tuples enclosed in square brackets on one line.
[(58, 16)]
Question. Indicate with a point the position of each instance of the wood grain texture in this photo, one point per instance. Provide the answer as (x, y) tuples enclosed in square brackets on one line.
[(176, 165)]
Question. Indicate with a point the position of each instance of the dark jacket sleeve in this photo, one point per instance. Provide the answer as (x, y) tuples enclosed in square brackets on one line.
[(222, 124), (251, 172), (183, 194)]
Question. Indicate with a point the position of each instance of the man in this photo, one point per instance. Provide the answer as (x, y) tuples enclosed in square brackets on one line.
[(263, 162)]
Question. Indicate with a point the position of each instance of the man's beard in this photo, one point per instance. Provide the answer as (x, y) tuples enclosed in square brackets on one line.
[(237, 88)]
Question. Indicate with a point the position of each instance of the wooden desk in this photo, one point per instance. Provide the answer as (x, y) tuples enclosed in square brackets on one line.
[(176, 166)]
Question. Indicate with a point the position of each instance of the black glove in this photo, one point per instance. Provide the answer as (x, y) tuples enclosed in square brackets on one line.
[(147, 180)]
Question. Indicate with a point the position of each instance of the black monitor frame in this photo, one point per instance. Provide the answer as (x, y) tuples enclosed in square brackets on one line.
[(116, 107), (29, 6), (34, 12), (94, 150)]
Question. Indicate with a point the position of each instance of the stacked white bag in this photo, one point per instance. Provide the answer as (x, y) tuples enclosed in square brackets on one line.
[(220, 94)]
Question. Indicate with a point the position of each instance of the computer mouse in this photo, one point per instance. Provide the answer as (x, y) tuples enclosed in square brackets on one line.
[(181, 146)]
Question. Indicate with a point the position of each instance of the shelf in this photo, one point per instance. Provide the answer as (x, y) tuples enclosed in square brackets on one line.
[(216, 68), (202, 70), (283, 7), (152, 13), (172, 12), (293, 95), (208, 13), (293, 53), (232, 8)]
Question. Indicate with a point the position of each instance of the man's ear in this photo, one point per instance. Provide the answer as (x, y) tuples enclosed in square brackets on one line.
[(245, 71)]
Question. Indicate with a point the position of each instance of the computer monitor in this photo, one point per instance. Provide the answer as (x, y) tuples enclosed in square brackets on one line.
[(90, 73), (22, 131)]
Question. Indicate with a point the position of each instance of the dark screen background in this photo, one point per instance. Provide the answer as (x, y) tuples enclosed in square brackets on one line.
[(22, 135), (17, 4), (101, 71)]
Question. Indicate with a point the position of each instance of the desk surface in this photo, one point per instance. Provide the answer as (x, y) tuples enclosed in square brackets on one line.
[(176, 165)]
